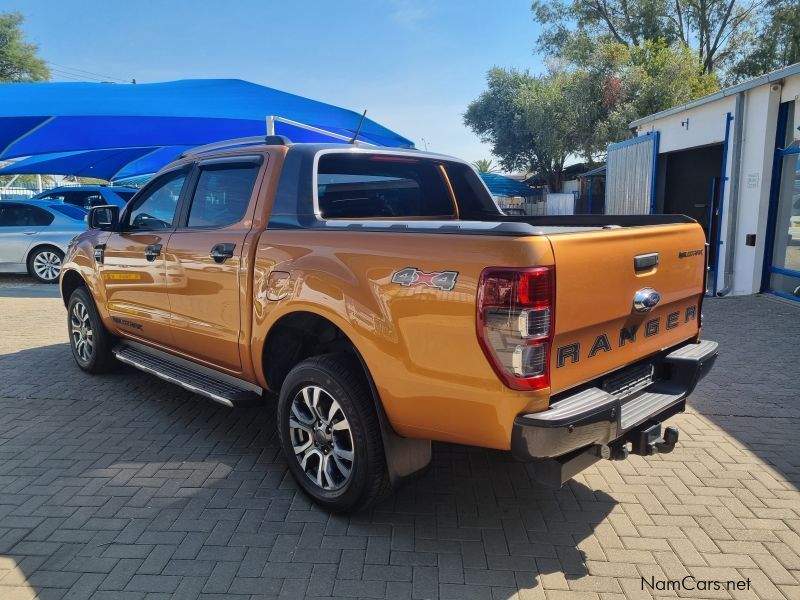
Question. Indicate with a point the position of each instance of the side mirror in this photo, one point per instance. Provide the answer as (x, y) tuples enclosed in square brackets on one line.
[(105, 218)]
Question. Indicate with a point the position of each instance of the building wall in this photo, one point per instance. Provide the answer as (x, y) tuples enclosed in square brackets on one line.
[(706, 125), (570, 186), (758, 148)]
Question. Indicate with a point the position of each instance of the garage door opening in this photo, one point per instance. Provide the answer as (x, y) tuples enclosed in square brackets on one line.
[(689, 182)]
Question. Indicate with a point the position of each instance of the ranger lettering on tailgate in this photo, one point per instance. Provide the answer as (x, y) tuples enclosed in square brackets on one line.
[(571, 352)]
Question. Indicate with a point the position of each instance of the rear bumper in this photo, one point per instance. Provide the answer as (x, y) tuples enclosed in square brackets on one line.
[(596, 417)]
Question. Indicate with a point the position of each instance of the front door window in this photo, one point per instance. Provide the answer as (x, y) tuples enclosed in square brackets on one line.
[(155, 209)]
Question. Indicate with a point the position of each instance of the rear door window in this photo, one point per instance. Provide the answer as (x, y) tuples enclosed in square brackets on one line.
[(222, 194), (20, 215), (382, 186)]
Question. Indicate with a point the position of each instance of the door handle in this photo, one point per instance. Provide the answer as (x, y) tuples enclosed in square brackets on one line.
[(222, 252), (29, 233), (152, 252)]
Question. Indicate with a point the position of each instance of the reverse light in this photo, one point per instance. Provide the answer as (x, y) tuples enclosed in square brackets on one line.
[(515, 323)]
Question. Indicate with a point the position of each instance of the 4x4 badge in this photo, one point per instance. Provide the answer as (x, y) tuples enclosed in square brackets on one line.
[(410, 276)]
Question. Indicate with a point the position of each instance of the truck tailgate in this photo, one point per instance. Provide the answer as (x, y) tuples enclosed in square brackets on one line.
[(597, 329)]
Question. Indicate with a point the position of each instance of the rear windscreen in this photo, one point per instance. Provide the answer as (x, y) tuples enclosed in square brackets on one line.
[(374, 186), (70, 210)]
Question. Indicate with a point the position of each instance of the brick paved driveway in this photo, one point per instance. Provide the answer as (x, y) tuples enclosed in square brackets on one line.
[(125, 487)]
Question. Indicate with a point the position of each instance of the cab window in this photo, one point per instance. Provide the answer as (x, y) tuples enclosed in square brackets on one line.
[(155, 208), (375, 186), (222, 194)]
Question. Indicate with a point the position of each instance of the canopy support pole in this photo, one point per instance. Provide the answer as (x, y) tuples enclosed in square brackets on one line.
[(13, 179), (270, 125), (312, 128)]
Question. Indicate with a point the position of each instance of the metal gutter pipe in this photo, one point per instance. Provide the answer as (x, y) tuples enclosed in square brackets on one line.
[(733, 210)]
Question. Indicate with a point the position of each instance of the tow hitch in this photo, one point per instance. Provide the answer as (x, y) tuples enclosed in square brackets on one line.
[(647, 440)]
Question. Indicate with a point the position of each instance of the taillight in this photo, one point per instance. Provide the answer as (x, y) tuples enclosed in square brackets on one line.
[(515, 323)]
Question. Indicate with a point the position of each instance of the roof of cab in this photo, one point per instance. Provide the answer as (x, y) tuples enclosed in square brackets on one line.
[(264, 142)]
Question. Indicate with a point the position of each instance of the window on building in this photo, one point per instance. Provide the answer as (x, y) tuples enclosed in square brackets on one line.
[(785, 271)]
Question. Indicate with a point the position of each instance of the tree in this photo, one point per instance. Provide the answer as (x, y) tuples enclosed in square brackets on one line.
[(537, 123), (18, 59), (659, 76), (714, 29), (485, 165), (531, 122), (776, 44), (498, 119)]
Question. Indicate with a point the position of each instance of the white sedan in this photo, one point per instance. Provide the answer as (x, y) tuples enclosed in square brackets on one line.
[(34, 236)]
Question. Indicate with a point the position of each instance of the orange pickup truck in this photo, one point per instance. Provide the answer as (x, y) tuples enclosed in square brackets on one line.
[(387, 302)]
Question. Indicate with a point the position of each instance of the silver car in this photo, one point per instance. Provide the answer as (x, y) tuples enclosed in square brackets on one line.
[(34, 236)]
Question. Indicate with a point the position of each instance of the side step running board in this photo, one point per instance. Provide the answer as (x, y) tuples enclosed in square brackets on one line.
[(199, 379)]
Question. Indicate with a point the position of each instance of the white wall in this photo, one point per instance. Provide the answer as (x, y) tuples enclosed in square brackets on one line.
[(560, 204), (758, 144), (791, 89), (706, 126), (572, 185)]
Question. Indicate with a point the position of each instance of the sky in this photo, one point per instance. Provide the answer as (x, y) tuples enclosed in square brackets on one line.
[(413, 64)]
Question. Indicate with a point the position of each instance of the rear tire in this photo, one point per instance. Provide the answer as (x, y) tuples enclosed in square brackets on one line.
[(90, 341), (330, 434), (44, 264)]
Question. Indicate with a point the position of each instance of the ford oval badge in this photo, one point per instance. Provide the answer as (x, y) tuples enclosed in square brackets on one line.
[(645, 300)]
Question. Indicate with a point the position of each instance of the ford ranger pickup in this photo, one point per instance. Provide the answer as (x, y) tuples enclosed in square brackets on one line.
[(386, 301)]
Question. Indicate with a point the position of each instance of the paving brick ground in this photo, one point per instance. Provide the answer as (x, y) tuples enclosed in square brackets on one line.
[(124, 487)]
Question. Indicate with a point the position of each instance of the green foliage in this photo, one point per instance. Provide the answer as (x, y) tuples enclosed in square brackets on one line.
[(536, 123), (529, 121), (659, 77), (18, 59), (29, 181), (715, 30), (775, 45), (497, 118), (485, 165)]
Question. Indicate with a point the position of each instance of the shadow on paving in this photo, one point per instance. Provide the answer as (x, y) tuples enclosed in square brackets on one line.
[(122, 485), (753, 391)]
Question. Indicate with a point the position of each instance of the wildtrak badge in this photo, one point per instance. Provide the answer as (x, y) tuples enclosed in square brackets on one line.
[(627, 335), (688, 253)]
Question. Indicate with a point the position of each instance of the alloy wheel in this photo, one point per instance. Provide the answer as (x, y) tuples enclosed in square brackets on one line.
[(321, 438), (81, 331), (47, 265)]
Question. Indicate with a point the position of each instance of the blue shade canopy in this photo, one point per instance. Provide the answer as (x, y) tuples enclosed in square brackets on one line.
[(109, 163), (500, 185), (47, 118)]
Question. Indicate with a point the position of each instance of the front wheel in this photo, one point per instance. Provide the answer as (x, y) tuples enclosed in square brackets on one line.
[(90, 341), (44, 264), (330, 435)]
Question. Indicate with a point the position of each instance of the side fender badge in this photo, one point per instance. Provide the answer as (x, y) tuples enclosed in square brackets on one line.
[(411, 276)]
